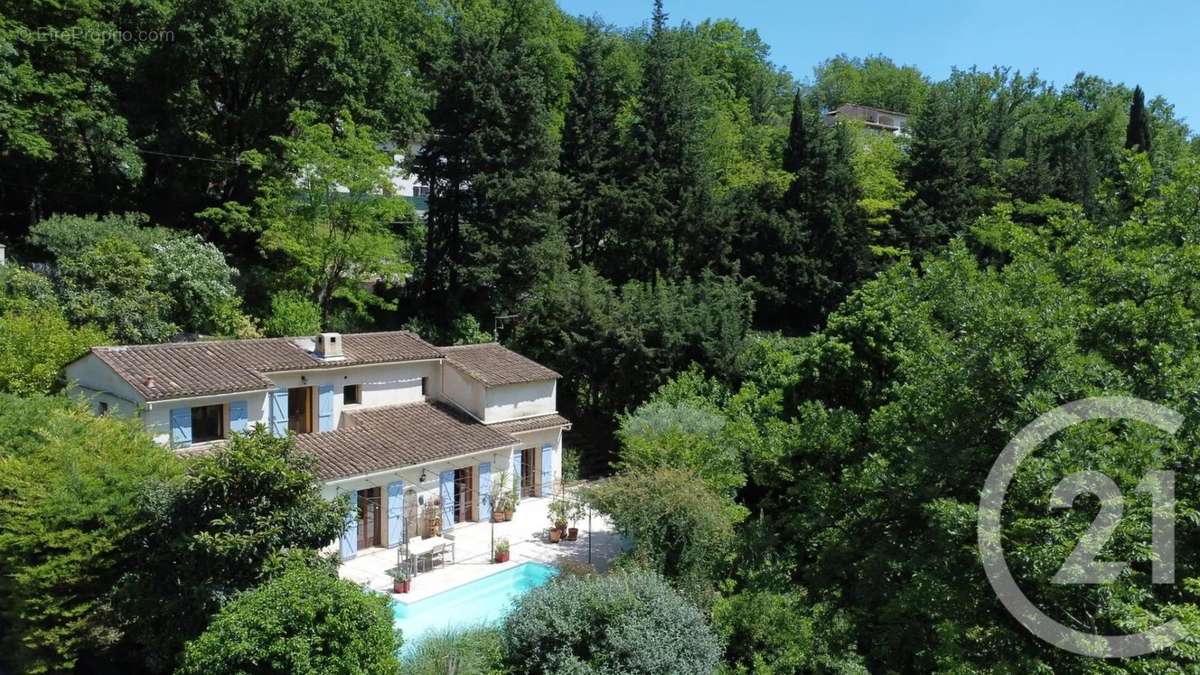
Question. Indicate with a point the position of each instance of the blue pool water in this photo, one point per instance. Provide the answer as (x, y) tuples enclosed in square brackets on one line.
[(483, 601)]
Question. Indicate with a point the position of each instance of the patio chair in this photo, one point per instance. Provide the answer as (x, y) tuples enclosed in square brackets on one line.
[(437, 553)]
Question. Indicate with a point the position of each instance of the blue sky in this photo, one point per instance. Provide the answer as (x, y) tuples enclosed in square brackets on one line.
[(1154, 44)]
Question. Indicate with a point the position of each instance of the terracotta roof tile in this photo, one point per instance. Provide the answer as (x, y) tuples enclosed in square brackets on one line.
[(494, 364), (384, 438), (182, 369), (554, 421)]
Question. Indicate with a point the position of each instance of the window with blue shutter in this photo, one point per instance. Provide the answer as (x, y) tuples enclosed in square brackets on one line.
[(446, 479), (547, 470), (181, 427), (239, 416), (325, 408), (395, 514), (279, 412), (485, 491), (350, 535)]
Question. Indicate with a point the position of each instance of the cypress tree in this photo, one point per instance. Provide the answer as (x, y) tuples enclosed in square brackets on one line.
[(591, 147), (826, 194), (1137, 134), (490, 162), (670, 222)]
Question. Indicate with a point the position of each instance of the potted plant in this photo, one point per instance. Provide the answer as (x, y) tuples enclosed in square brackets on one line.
[(558, 518), (401, 582), (502, 551), (576, 512)]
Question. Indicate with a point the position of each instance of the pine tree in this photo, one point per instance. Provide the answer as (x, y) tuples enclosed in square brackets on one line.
[(1137, 134), (490, 163)]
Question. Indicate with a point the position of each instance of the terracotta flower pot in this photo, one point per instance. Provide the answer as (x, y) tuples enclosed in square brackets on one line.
[(401, 586), (573, 534), (502, 557), (555, 535)]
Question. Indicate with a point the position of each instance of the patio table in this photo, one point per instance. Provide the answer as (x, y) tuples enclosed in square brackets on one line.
[(420, 547)]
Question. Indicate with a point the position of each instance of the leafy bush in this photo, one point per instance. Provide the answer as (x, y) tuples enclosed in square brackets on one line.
[(469, 650), (677, 525), (34, 347), (69, 483), (665, 434), (142, 283), (234, 517), (23, 289), (620, 623), (305, 621), (777, 633)]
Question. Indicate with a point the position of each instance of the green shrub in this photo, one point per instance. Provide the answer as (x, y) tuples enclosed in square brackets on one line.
[(468, 650), (34, 347), (677, 525), (620, 623), (779, 634), (305, 621), (69, 486)]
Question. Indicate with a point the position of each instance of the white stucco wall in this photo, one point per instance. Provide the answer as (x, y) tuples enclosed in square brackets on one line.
[(157, 415), (89, 379), (463, 390), (514, 401), (422, 495), (383, 385)]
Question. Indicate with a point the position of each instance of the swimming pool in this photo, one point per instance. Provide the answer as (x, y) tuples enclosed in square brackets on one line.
[(483, 601)]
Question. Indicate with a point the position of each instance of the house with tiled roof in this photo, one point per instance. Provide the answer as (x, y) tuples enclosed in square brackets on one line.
[(422, 438)]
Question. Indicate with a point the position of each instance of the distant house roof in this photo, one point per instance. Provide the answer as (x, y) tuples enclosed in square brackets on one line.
[(495, 365), (379, 439), (182, 369)]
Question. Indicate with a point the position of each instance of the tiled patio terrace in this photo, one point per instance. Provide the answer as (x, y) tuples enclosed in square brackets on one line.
[(526, 533)]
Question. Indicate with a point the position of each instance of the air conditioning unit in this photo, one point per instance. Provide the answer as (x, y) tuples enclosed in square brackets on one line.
[(329, 346)]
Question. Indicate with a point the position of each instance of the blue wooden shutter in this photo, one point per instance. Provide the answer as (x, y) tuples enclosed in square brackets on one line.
[(239, 414), (447, 489), (279, 410), (516, 472), (181, 427), (350, 535), (395, 513), (547, 470), (485, 491), (325, 408)]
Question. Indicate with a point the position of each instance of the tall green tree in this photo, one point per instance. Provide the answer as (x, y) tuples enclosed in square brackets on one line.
[(65, 142), (226, 526), (592, 143), (236, 71), (874, 81), (490, 162), (670, 224), (330, 215), (69, 486), (1137, 133)]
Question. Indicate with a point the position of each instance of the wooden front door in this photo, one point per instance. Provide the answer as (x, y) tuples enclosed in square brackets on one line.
[(464, 495), (529, 475), (370, 518), (300, 410)]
